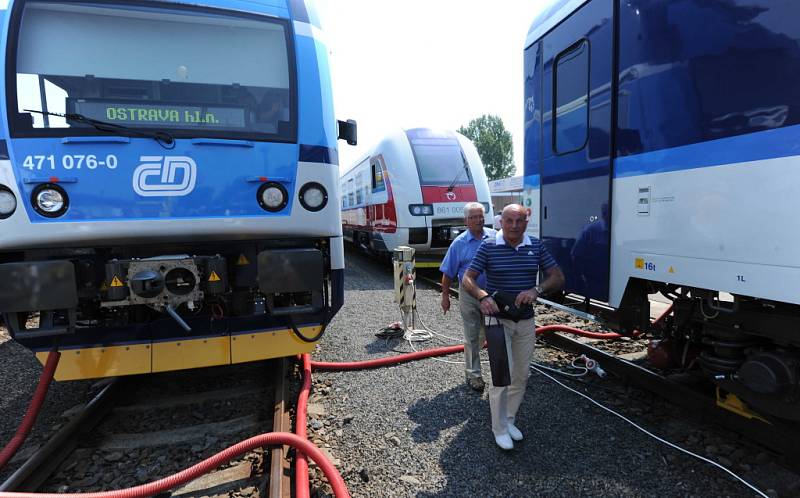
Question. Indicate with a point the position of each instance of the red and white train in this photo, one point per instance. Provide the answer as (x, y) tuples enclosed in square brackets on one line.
[(411, 189)]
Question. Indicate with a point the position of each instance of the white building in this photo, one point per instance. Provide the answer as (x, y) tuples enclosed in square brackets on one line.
[(505, 191)]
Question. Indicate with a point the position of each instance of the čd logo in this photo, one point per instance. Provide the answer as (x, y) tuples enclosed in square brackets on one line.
[(164, 176)]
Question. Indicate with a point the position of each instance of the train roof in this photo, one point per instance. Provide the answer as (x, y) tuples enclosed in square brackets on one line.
[(404, 131), (550, 17)]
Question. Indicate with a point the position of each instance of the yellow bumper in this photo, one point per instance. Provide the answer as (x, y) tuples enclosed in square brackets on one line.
[(112, 361)]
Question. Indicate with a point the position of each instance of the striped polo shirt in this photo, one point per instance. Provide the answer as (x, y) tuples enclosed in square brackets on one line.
[(511, 269)]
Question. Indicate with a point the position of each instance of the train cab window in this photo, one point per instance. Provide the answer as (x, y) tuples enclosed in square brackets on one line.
[(151, 67), (570, 104), (439, 158), (378, 184)]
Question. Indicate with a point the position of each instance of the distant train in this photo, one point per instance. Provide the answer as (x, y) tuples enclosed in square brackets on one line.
[(168, 183), (411, 189), (661, 148)]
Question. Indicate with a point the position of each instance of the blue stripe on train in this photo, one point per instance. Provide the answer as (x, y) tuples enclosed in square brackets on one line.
[(756, 146)]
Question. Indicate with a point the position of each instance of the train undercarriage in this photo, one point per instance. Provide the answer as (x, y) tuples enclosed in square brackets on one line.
[(747, 347)]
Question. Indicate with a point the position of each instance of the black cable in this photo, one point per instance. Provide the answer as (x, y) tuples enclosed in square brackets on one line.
[(324, 320), (300, 334), (56, 344), (390, 333)]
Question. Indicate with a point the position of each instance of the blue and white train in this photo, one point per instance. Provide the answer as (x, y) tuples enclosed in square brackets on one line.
[(168, 182), (662, 146)]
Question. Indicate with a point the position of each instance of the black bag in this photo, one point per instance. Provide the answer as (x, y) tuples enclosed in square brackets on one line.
[(498, 354), (509, 310)]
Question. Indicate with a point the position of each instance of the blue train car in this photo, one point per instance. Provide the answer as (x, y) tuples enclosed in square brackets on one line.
[(168, 183), (661, 146)]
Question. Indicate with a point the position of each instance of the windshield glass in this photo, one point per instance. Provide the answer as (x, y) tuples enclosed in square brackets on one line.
[(439, 158), (195, 73)]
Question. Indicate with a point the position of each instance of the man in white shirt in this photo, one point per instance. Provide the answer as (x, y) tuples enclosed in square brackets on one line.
[(497, 223)]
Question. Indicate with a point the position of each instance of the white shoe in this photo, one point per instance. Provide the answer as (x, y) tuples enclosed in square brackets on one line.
[(515, 433), (504, 441)]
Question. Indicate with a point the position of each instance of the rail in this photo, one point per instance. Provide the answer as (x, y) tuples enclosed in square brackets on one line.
[(280, 485), (41, 465)]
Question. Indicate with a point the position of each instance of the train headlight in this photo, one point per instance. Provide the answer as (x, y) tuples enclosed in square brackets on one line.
[(420, 209), (50, 200), (272, 196), (313, 196), (8, 203)]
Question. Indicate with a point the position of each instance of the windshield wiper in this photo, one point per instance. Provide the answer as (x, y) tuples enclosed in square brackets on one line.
[(465, 167), (163, 138)]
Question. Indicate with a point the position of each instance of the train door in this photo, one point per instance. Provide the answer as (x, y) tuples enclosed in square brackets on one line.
[(379, 194), (372, 212), (576, 144)]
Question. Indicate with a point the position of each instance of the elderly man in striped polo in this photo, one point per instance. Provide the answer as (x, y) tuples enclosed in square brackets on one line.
[(511, 261)]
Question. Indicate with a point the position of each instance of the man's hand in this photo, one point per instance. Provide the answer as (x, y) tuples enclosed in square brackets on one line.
[(445, 302), (489, 307), (526, 297)]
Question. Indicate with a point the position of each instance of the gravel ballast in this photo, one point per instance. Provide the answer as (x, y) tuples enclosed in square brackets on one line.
[(415, 429)]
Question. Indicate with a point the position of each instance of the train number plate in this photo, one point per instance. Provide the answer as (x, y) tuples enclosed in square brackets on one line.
[(449, 209)]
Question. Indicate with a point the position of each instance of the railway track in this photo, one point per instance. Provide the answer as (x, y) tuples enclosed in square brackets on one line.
[(625, 362), (140, 429)]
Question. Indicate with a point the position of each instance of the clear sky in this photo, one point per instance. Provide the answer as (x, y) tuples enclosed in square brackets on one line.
[(426, 63)]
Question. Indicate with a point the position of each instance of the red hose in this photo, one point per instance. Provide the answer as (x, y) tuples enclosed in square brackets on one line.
[(33, 409), (301, 487), (193, 472), (389, 360)]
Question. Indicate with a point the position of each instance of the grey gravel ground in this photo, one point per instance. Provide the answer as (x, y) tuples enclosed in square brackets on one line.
[(416, 430)]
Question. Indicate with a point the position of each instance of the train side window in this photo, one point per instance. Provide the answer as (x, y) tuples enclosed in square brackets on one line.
[(359, 188), (378, 184), (351, 195), (571, 99)]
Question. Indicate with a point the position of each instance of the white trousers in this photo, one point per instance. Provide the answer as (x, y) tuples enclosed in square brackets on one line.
[(504, 401), (474, 333)]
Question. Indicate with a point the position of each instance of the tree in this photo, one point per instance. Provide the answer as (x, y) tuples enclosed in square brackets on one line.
[(494, 146)]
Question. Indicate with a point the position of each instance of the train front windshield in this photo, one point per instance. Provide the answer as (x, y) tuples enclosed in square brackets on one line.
[(440, 160), (188, 72)]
